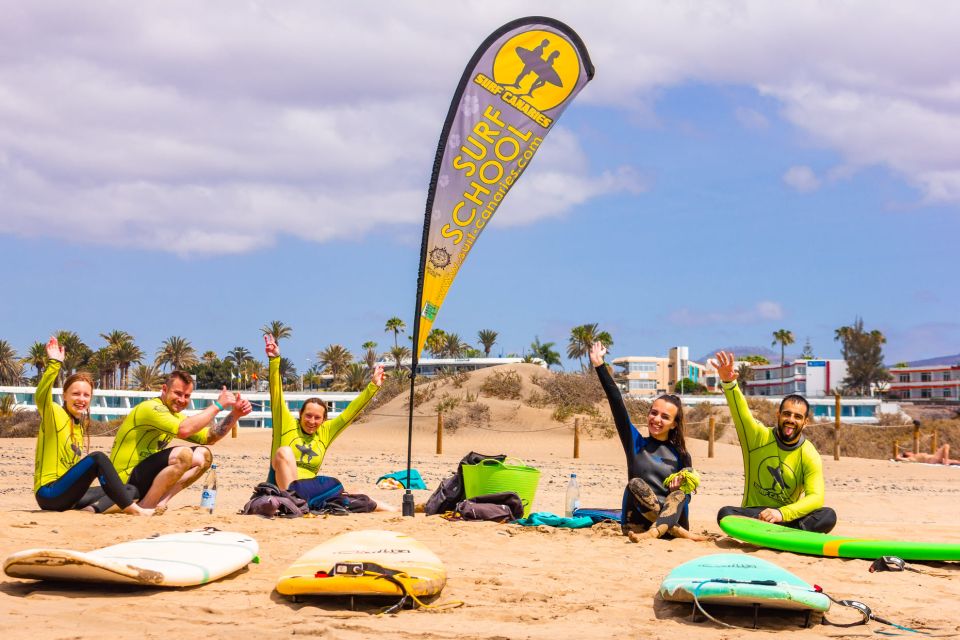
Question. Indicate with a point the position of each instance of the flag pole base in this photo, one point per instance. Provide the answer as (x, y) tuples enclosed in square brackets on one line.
[(408, 504)]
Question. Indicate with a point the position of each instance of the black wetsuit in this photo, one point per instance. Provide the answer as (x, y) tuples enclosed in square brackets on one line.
[(649, 459)]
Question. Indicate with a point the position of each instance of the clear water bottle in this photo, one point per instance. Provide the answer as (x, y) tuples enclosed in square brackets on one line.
[(208, 499), (573, 496)]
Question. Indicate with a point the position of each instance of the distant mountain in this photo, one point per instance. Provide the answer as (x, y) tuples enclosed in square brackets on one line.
[(954, 359), (773, 355)]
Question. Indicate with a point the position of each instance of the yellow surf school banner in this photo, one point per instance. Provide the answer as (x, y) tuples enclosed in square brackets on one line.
[(513, 90)]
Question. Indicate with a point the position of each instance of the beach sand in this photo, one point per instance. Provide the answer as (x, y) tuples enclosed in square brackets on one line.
[(515, 582)]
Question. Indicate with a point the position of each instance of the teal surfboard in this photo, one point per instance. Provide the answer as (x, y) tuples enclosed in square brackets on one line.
[(736, 579), (774, 536)]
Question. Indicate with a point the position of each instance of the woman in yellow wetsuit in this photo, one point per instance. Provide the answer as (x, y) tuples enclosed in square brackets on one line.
[(299, 445), (63, 475)]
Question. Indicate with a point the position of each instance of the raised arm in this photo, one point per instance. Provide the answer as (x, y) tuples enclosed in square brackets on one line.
[(279, 413), (43, 397), (750, 432), (621, 417), (332, 428), (189, 427)]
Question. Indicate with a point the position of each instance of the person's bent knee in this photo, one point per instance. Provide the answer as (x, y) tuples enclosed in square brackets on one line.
[(99, 457), (827, 520), (182, 458), (727, 511), (283, 455), (202, 457)]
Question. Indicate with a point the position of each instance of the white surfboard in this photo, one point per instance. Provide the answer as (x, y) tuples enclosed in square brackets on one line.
[(174, 560)]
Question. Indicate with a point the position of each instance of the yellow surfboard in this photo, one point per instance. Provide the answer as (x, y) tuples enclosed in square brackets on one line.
[(365, 563)]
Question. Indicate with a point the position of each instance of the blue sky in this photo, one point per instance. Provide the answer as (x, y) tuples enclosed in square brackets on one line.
[(734, 168)]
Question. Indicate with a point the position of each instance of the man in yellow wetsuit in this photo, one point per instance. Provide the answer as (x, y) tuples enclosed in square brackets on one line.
[(299, 446), (783, 473), (140, 451)]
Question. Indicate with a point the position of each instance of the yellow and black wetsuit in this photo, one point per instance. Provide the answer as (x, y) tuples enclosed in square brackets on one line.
[(62, 475), (147, 430), (786, 477), (308, 450)]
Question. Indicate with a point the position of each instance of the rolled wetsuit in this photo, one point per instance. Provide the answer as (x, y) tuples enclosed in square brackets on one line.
[(62, 475), (648, 459)]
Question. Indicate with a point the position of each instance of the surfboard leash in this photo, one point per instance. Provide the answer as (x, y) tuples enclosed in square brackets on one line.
[(400, 579), (867, 615), (699, 607)]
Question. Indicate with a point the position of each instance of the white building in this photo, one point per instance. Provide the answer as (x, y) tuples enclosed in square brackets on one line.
[(931, 382), (810, 378)]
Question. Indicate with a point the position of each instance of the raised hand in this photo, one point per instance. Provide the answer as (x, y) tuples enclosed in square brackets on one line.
[(597, 352), (226, 398), (242, 406), (378, 375), (270, 346), (55, 351), (725, 368)]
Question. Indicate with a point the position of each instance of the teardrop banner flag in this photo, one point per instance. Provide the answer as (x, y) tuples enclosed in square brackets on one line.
[(513, 90)]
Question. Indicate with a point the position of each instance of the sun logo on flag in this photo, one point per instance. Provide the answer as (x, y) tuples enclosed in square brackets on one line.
[(439, 257), (538, 66)]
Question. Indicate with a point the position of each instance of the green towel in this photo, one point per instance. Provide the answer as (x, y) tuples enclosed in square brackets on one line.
[(552, 520), (690, 480)]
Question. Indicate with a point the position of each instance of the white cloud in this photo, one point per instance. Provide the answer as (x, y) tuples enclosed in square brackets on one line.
[(760, 312), (218, 126), (801, 178)]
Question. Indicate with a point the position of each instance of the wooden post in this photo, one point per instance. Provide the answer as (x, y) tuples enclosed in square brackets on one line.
[(896, 449), (713, 433), (836, 428), (233, 430), (933, 441), (439, 433), (916, 437), (576, 438)]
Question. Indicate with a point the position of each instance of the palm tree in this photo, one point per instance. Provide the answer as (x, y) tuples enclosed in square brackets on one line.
[(356, 377), (11, 369), (288, 371), (436, 342), (277, 329), (453, 346), (127, 353), (396, 325), (487, 337), (37, 358), (77, 352), (582, 338), (103, 365), (399, 354), (335, 359), (209, 357), (370, 357), (544, 351), (146, 377), (744, 375), (783, 337), (238, 356), (252, 371), (176, 352)]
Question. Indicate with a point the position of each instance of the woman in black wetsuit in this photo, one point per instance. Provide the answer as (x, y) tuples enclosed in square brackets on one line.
[(650, 509)]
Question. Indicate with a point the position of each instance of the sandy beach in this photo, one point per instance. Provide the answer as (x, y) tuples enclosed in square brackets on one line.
[(515, 582)]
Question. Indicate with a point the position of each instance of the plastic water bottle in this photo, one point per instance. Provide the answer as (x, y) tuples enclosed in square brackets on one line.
[(208, 499), (573, 496)]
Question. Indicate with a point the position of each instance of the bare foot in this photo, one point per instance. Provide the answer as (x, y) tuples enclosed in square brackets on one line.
[(680, 532), (136, 510)]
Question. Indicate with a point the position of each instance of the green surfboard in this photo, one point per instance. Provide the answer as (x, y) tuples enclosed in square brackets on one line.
[(736, 579), (774, 536)]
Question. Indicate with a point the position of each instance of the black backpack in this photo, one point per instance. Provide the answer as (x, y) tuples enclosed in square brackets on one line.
[(498, 507), (269, 500), (451, 492)]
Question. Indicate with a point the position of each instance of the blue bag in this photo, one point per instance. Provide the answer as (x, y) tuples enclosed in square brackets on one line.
[(317, 491)]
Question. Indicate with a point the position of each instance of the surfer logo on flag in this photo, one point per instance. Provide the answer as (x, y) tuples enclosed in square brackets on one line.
[(775, 479), (537, 67)]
